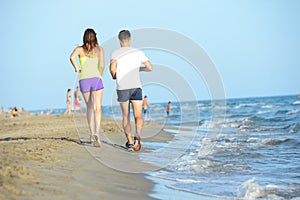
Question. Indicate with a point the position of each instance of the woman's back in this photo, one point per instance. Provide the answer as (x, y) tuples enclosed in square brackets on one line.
[(90, 63)]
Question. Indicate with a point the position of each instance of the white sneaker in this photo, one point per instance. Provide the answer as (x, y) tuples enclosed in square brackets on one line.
[(96, 141)]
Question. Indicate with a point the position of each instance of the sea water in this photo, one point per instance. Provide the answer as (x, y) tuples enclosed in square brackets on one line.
[(256, 155), (254, 151)]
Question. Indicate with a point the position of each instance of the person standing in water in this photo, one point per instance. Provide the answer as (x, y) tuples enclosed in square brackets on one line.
[(169, 108), (91, 58), (145, 107), (125, 65)]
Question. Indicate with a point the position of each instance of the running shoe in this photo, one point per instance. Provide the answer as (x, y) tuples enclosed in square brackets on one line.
[(96, 141), (137, 143), (130, 147)]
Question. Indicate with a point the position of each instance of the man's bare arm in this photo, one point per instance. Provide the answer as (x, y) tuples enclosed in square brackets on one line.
[(113, 69), (147, 67)]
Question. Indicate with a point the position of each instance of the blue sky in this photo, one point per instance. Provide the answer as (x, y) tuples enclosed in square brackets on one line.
[(254, 44)]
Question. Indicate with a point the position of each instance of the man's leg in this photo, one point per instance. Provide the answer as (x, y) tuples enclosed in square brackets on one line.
[(137, 111), (125, 107)]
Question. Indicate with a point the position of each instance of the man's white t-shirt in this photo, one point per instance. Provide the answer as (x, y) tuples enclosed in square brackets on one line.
[(129, 61)]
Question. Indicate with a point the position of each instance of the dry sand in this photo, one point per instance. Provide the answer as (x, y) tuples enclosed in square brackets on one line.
[(43, 157)]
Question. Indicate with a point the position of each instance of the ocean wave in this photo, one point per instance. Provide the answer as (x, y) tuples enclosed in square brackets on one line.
[(270, 141), (260, 129), (248, 190), (281, 112), (251, 190), (200, 193), (252, 140), (246, 124), (244, 105), (254, 123), (229, 143), (256, 119), (211, 124), (295, 128), (288, 112), (289, 141), (261, 112), (292, 112), (228, 123), (177, 179), (269, 106), (251, 123), (296, 103), (234, 167), (263, 120)]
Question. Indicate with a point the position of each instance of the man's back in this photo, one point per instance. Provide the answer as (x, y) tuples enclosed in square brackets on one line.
[(129, 61)]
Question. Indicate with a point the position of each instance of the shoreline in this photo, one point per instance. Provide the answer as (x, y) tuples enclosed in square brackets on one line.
[(43, 157)]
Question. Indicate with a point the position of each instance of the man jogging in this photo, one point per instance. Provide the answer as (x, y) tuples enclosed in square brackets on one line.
[(125, 65)]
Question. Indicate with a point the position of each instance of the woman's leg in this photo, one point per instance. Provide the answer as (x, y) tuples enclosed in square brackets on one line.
[(97, 105), (89, 111), (68, 110)]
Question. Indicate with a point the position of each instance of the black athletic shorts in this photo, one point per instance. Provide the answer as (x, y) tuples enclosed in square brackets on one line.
[(130, 94)]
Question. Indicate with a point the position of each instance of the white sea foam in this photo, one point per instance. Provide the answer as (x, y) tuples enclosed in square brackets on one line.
[(269, 106), (249, 190), (253, 140), (260, 112), (296, 103), (228, 123), (292, 112), (242, 105)]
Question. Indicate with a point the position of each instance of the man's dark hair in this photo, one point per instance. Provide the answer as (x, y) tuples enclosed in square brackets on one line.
[(124, 35)]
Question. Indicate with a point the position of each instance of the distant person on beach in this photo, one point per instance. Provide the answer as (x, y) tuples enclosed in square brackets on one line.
[(145, 107), (91, 59), (14, 112), (68, 102), (125, 65), (169, 108), (77, 100)]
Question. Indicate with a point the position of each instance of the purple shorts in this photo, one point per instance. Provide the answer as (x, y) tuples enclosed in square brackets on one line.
[(90, 84)]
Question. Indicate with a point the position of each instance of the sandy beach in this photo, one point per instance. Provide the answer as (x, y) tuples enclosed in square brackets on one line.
[(44, 157)]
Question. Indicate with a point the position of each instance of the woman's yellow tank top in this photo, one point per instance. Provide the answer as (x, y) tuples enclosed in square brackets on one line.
[(90, 67)]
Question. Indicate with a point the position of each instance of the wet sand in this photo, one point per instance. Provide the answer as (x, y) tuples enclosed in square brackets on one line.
[(44, 157)]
